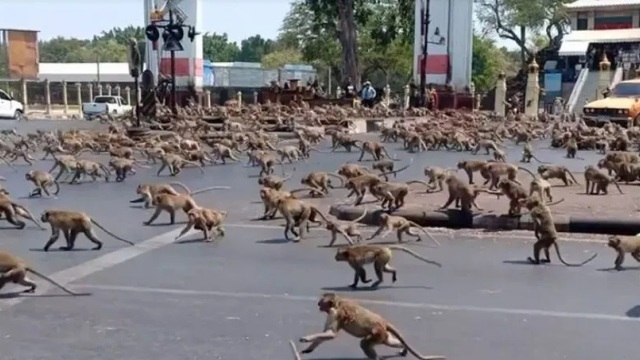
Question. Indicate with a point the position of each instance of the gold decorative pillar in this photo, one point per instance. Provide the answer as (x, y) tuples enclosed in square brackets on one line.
[(501, 95), (605, 77), (532, 96)]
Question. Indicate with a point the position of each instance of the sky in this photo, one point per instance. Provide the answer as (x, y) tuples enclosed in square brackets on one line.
[(85, 18), (240, 19)]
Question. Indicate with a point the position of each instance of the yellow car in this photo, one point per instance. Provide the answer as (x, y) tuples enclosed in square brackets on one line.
[(622, 106)]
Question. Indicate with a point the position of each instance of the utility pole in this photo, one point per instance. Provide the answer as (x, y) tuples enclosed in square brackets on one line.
[(174, 107), (425, 19)]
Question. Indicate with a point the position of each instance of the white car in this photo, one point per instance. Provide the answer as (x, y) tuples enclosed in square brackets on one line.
[(105, 104), (9, 107)]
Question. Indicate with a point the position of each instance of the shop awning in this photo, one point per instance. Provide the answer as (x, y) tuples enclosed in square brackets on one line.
[(573, 48), (603, 36)]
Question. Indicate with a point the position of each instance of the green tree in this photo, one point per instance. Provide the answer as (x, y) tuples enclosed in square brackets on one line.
[(62, 50), (253, 48), (488, 62), (517, 20), (217, 48), (277, 59)]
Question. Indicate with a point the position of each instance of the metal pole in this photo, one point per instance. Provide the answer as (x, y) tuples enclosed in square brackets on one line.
[(137, 108), (174, 107), (425, 19)]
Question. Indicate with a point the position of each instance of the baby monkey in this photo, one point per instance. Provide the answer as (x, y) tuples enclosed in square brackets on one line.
[(360, 322), (42, 181), (359, 255), (205, 220)]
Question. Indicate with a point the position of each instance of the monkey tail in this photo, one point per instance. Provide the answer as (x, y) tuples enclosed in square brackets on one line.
[(527, 170), (364, 213), (182, 186), (572, 177), (554, 202), (414, 254), (294, 349), (43, 276), (555, 245), (396, 333), (337, 177), (110, 233), (57, 188), (426, 233), (210, 188), (282, 166), (8, 163), (538, 160), (389, 156), (196, 165), (398, 170), (30, 215), (618, 186), (105, 169)]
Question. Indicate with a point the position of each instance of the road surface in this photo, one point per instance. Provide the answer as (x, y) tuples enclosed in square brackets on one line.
[(246, 295)]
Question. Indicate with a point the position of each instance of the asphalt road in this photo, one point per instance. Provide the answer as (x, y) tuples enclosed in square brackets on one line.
[(246, 295)]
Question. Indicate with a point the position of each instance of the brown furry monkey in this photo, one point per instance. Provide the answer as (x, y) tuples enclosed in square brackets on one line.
[(380, 255), (14, 270), (348, 230), (545, 232), (388, 223), (360, 322), (624, 245), (205, 220), (171, 203), (72, 223), (12, 212), (147, 191), (42, 181)]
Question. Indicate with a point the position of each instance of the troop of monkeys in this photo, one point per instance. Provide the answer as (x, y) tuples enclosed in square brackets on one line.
[(342, 313)]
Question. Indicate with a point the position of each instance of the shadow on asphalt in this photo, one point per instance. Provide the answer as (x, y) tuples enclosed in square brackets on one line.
[(369, 288)]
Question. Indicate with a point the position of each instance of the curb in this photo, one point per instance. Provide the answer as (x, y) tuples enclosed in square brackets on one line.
[(457, 219)]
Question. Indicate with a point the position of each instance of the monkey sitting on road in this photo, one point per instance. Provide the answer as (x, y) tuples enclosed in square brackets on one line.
[(545, 232), (72, 223), (209, 221), (346, 314), (388, 223), (624, 245), (14, 270), (359, 255), (42, 181)]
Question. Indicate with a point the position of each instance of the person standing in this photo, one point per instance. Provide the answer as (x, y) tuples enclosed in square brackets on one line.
[(368, 95)]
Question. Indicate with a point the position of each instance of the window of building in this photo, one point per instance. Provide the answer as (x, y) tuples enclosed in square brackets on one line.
[(583, 24)]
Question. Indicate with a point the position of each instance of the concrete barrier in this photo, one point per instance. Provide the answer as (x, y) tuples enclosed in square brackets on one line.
[(457, 219)]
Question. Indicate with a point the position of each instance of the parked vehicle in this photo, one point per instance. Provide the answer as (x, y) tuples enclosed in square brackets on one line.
[(105, 104), (10, 107), (622, 106)]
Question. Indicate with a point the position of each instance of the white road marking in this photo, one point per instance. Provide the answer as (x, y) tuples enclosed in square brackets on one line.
[(119, 256), (103, 262), (427, 306)]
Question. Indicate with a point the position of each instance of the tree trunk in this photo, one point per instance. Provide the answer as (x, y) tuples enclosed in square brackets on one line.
[(348, 40), (523, 48)]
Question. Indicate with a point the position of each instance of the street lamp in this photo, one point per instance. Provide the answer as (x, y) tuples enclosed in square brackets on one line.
[(436, 39)]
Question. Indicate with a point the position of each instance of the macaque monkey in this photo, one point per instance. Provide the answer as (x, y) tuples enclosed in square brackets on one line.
[(359, 185), (527, 154), (497, 169), (349, 230), (487, 145), (321, 181), (386, 167), (392, 194), (72, 223), (376, 149), (463, 194), (14, 270), (222, 153), (548, 172), (272, 181), (542, 188), (171, 203), (91, 168), (42, 181), (471, 166), (297, 212), (124, 167), (12, 212), (360, 322), (624, 245), (388, 223), (349, 170), (267, 162), (148, 191), (545, 232), (290, 153), (205, 220), (596, 181), (572, 149), (380, 255), (500, 156), (270, 198), (175, 163)]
